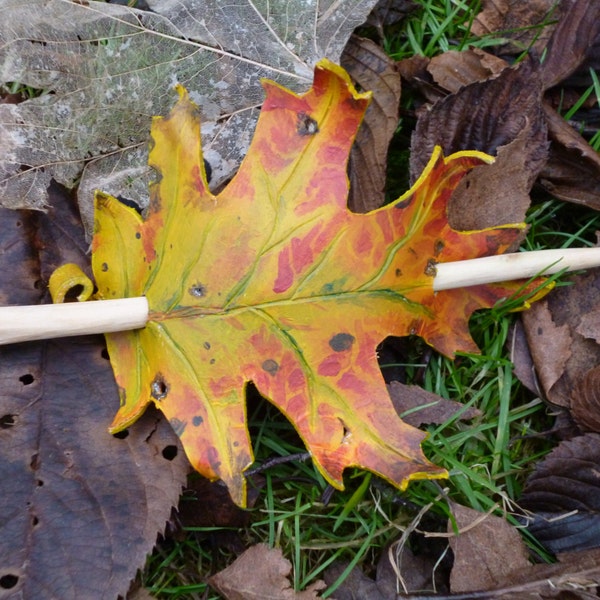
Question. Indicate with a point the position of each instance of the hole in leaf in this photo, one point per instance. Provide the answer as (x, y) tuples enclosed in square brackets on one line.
[(7, 421), (35, 462), (159, 388), (121, 435), (197, 290), (35, 521), (27, 379), (169, 452), (306, 125), (8, 581), (40, 482)]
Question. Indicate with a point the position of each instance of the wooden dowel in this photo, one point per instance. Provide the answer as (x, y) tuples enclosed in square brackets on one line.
[(23, 323), (45, 321), (507, 267)]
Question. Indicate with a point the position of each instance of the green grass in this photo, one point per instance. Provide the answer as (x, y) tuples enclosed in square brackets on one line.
[(488, 457)]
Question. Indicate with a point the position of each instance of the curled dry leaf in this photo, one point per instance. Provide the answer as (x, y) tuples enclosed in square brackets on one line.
[(563, 496), (373, 70), (585, 401), (560, 353)]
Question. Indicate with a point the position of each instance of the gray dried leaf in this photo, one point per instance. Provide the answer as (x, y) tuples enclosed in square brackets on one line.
[(107, 69)]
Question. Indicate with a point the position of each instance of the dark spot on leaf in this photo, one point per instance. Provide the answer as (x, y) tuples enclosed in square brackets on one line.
[(121, 435), (341, 342), (438, 247), (196, 421), (170, 452), (306, 125), (34, 463), (236, 444), (159, 388), (213, 361), (197, 290), (540, 330), (270, 366), (8, 581), (138, 235), (206, 345), (430, 269), (104, 267), (27, 379), (398, 272), (7, 421), (178, 426)]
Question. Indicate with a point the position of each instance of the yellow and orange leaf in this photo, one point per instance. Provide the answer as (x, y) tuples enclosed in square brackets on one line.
[(275, 281)]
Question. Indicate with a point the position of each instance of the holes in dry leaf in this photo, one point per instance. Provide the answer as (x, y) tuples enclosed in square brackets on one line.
[(306, 125), (169, 452), (121, 435), (341, 342), (39, 482), (346, 433), (197, 421), (197, 290), (34, 463), (7, 421), (159, 388), (35, 521), (27, 379), (8, 581)]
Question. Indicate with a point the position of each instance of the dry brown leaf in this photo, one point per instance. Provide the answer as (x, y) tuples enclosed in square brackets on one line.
[(373, 70), (572, 172), (550, 355), (515, 20), (453, 70), (577, 28), (417, 406), (488, 115), (561, 354), (481, 559), (260, 573), (585, 401)]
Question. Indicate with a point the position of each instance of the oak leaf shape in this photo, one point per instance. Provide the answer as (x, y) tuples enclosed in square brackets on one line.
[(275, 281)]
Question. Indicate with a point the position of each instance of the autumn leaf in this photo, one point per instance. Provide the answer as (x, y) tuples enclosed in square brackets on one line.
[(275, 281)]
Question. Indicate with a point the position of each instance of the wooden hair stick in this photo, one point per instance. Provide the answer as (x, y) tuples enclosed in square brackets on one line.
[(45, 321)]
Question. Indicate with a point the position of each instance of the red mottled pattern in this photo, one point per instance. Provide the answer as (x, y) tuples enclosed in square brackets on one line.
[(275, 281)]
